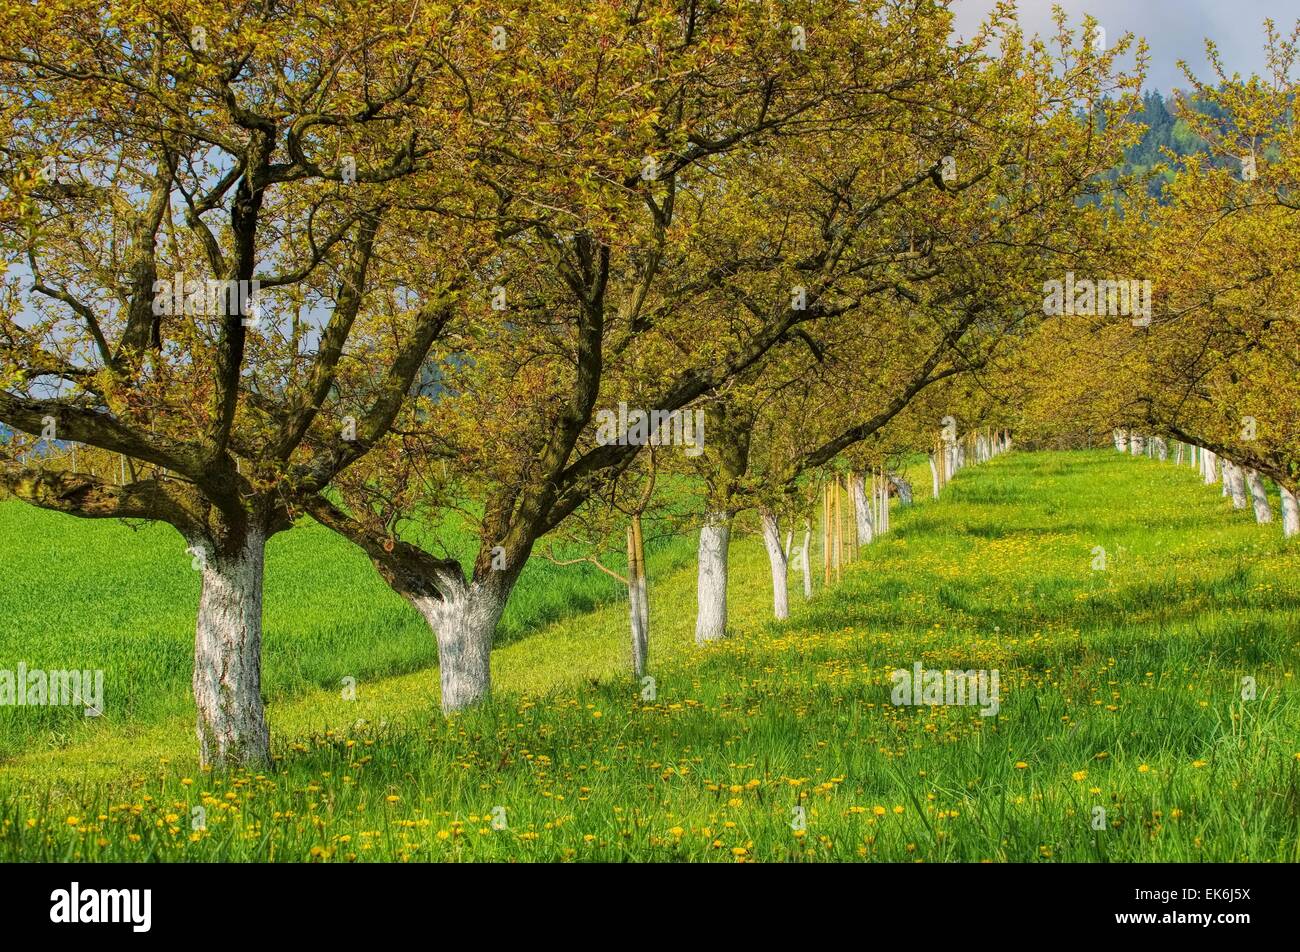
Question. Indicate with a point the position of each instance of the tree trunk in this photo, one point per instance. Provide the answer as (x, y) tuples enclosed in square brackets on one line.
[(1121, 440), (904, 489), (1237, 485), (1290, 513), (711, 591), (862, 508), (776, 558), (1259, 497), (464, 622), (231, 726), (637, 598), (1136, 444), (934, 478), (1208, 460)]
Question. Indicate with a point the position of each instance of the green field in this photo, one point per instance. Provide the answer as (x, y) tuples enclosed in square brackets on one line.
[(1121, 689)]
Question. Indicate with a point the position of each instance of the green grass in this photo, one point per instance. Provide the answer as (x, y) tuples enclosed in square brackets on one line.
[(1121, 689), (84, 594)]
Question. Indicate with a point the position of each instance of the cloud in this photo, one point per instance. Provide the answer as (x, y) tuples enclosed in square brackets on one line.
[(1174, 29)]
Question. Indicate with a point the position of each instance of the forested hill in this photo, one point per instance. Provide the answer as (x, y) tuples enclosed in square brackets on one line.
[(1165, 130)]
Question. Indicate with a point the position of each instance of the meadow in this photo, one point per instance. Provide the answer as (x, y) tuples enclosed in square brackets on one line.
[(1125, 732)]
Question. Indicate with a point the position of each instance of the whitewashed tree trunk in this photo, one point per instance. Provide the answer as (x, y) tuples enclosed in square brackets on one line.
[(1237, 486), (227, 681), (640, 637), (1161, 449), (638, 604), (1259, 497), (1290, 513), (803, 559), (862, 509), (776, 558), (1136, 444), (904, 490), (1121, 439), (464, 622), (711, 588), (1209, 461), (934, 477)]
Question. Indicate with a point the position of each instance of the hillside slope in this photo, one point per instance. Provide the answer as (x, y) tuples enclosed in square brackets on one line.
[(1121, 734)]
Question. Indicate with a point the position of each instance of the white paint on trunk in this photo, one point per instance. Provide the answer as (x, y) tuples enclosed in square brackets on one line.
[(1121, 439), (1290, 513), (1259, 497), (904, 490), (227, 680), (934, 477), (637, 601), (776, 558), (862, 508), (711, 587), (464, 622), (1237, 486)]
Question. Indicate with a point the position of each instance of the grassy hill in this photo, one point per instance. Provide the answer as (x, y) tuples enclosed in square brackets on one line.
[(1121, 689)]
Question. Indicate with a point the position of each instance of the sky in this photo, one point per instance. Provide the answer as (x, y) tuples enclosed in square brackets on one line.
[(1174, 29)]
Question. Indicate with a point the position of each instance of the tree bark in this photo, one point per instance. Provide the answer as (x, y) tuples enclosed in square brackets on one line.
[(934, 478), (1290, 513), (862, 508), (1259, 497), (464, 621), (638, 605), (777, 561), (227, 681), (1237, 485), (1121, 440), (904, 489), (711, 590)]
